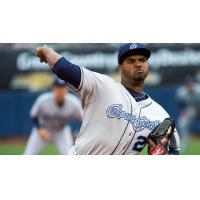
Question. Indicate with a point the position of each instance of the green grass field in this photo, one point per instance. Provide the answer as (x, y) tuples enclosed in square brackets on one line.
[(17, 149)]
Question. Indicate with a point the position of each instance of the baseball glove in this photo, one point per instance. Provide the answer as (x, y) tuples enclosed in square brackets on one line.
[(158, 140)]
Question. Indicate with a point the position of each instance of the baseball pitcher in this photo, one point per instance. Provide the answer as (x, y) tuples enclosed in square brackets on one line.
[(119, 118)]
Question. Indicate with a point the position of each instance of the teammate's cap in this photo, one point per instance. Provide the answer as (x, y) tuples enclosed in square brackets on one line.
[(130, 49), (59, 82)]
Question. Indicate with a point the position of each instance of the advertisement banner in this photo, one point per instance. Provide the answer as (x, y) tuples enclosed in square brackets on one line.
[(169, 64)]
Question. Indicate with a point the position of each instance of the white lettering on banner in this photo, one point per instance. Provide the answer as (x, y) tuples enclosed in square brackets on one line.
[(167, 58), (99, 60), (96, 60), (26, 61)]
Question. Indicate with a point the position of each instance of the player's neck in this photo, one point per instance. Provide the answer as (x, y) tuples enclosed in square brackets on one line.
[(59, 102), (136, 87)]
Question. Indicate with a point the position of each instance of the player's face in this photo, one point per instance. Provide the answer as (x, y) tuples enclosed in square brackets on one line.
[(134, 69), (60, 92), (190, 87)]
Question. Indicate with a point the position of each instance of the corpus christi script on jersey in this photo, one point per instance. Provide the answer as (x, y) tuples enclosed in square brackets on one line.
[(114, 121)]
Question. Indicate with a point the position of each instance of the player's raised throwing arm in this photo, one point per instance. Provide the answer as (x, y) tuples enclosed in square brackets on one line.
[(48, 55)]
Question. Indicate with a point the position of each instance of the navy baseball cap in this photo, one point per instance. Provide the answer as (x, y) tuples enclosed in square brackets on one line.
[(130, 49), (59, 82)]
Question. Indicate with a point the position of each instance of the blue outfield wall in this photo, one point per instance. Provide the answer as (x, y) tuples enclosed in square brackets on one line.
[(165, 96), (15, 108)]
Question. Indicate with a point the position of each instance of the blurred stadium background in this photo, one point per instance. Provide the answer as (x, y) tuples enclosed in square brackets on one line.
[(23, 78)]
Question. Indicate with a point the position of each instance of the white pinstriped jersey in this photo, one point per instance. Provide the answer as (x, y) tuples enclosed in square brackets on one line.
[(53, 117), (113, 122)]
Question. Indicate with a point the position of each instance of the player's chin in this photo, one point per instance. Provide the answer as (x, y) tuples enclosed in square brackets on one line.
[(139, 78)]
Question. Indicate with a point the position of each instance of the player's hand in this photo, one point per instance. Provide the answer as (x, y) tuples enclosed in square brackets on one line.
[(43, 133), (41, 52), (47, 55), (151, 145)]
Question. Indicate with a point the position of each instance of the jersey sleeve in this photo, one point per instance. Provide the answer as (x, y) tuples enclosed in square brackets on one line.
[(36, 123), (68, 72)]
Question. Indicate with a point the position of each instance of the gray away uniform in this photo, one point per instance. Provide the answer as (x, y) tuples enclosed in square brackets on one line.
[(55, 120)]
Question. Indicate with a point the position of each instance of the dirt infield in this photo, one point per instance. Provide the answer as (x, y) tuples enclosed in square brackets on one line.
[(17, 141)]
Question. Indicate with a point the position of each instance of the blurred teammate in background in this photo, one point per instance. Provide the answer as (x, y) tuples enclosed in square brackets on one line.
[(51, 113), (188, 98)]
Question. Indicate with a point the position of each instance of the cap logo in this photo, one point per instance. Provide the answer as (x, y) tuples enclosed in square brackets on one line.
[(133, 46)]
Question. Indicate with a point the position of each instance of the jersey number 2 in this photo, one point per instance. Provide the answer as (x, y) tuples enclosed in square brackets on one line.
[(139, 145)]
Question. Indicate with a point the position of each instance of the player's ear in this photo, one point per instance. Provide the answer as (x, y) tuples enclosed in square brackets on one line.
[(119, 68)]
